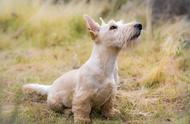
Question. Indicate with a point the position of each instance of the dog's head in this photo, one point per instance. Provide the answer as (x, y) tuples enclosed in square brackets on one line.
[(113, 34)]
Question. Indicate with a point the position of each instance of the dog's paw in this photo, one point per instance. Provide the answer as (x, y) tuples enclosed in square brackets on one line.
[(82, 120), (111, 113)]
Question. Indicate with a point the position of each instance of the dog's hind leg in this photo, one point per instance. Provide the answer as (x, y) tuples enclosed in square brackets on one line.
[(54, 103)]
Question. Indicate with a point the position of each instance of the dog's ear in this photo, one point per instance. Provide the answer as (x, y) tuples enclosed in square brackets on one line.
[(92, 26)]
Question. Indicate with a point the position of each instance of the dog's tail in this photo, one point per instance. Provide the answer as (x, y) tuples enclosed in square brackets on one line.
[(37, 88)]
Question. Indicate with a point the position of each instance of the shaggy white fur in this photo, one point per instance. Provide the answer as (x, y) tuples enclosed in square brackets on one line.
[(94, 84)]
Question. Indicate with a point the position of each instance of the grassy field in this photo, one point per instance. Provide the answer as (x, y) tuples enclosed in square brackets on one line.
[(39, 43)]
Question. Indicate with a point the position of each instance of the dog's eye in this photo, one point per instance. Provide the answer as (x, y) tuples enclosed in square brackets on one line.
[(113, 27)]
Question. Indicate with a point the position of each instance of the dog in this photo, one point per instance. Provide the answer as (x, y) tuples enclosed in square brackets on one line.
[(94, 84)]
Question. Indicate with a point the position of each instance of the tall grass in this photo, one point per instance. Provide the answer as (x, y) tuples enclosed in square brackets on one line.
[(43, 25)]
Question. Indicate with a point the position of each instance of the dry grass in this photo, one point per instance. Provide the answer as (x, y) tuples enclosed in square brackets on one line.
[(39, 43)]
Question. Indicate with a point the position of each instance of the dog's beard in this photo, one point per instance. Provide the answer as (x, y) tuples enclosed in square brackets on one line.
[(131, 40), (135, 36)]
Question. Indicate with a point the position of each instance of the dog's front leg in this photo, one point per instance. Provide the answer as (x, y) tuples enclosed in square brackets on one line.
[(108, 109), (81, 107)]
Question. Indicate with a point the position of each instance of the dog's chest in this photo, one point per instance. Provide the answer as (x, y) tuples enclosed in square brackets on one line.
[(103, 92)]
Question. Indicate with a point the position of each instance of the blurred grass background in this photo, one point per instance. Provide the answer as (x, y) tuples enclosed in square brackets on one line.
[(40, 40)]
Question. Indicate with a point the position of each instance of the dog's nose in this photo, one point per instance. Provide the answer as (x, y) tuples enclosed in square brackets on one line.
[(138, 26)]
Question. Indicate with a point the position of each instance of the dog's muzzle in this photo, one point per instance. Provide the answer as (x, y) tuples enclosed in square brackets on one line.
[(138, 28)]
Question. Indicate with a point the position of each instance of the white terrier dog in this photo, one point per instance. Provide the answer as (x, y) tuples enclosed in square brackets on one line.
[(93, 85)]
